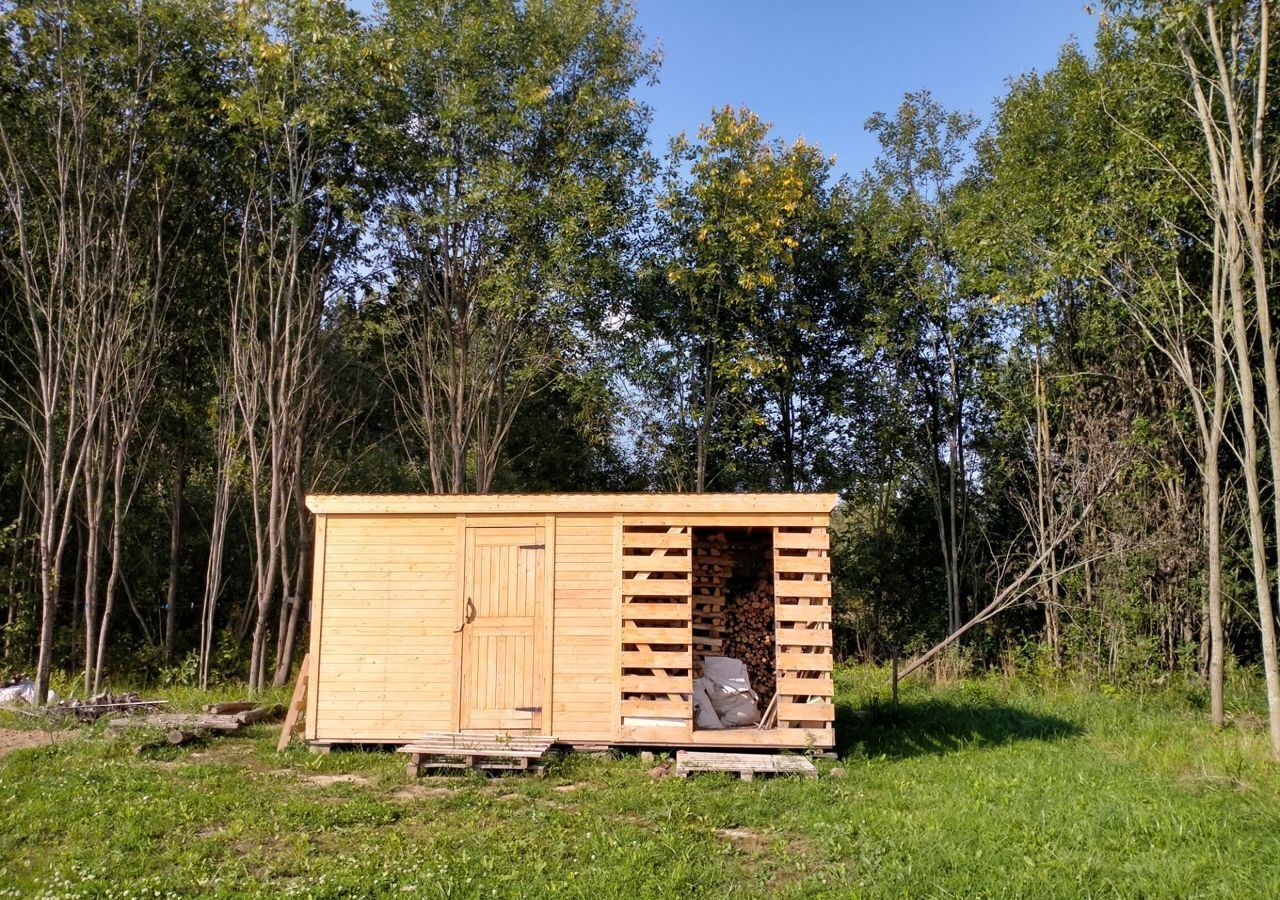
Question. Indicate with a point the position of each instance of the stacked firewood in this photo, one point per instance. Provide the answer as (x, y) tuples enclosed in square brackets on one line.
[(711, 569), (749, 634), (102, 704)]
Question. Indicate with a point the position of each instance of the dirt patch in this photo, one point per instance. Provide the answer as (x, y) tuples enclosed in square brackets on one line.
[(747, 840), (326, 780), (1219, 782), (12, 739), (566, 788), (419, 791)]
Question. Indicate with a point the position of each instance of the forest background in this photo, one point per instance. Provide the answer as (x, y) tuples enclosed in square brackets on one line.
[(253, 250)]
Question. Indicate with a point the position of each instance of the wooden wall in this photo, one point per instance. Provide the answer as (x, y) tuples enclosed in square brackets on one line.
[(383, 639), (385, 603), (584, 680)]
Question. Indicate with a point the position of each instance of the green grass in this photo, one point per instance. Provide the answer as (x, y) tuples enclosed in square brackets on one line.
[(981, 788)]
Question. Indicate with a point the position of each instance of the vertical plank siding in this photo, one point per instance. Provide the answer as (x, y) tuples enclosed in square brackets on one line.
[(579, 624)]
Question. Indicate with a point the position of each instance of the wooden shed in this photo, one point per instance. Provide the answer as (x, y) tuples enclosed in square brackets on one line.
[(580, 616)]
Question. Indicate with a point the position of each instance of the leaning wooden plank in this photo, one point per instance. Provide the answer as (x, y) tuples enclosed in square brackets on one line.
[(297, 704), (770, 717)]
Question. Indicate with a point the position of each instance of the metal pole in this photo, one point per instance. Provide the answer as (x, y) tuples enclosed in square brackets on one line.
[(895, 676)]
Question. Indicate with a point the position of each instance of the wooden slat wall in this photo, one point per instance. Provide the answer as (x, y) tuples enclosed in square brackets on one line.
[(583, 684), (386, 641), (656, 635), (802, 592)]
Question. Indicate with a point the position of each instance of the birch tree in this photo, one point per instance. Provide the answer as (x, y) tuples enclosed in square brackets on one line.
[(1225, 50), (296, 110), (83, 190)]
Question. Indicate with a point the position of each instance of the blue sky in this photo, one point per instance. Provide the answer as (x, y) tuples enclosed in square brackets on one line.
[(819, 68)]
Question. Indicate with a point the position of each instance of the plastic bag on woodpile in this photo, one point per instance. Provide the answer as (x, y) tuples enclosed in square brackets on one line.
[(704, 711), (21, 690), (730, 689)]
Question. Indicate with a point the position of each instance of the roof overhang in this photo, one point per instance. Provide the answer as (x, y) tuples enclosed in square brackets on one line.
[(613, 504)]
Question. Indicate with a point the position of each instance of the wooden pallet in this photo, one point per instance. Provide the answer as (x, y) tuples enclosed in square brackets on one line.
[(746, 765), (463, 750)]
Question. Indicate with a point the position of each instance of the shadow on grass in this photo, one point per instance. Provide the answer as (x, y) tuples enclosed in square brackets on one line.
[(938, 726)]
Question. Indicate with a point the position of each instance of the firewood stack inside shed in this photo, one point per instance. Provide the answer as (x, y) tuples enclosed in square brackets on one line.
[(733, 611)]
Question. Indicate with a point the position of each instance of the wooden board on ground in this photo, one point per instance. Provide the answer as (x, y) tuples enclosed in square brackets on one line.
[(466, 750), (185, 727), (745, 765)]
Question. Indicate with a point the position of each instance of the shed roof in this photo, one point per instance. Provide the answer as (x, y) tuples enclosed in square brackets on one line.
[(703, 504)]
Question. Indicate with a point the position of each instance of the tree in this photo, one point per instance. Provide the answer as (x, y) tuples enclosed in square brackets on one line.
[(511, 191), (740, 314), (935, 339), (87, 141), (1225, 51), (297, 108)]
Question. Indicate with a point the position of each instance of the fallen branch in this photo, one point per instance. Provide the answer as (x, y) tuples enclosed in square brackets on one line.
[(1024, 583)]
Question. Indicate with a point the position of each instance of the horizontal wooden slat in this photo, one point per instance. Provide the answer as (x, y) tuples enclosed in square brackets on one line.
[(792, 686), (804, 662), (656, 564), (639, 634), (655, 539), (655, 587), (803, 637), (651, 659), (665, 709), (798, 540), (806, 712), (796, 612), (678, 612), (818, 564), (731, 520), (784, 588), (657, 684)]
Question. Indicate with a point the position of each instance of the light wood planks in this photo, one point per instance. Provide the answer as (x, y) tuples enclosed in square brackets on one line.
[(384, 607), (802, 609), (584, 654), (758, 507), (744, 765), (656, 682), (614, 642)]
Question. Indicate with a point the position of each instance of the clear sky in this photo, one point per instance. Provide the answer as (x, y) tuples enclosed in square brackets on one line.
[(819, 68)]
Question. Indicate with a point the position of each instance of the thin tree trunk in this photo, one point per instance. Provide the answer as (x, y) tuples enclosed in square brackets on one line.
[(175, 557)]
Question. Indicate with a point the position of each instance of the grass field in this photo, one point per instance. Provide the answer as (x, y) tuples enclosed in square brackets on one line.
[(980, 788)]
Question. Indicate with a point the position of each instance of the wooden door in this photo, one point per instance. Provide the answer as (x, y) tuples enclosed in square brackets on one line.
[(501, 677)]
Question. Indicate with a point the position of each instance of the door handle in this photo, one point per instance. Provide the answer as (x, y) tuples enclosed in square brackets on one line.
[(468, 615)]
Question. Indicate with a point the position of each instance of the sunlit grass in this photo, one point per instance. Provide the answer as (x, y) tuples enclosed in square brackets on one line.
[(977, 788)]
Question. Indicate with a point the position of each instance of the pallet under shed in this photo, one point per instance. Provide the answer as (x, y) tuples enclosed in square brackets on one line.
[(745, 765), (454, 750), (583, 616)]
